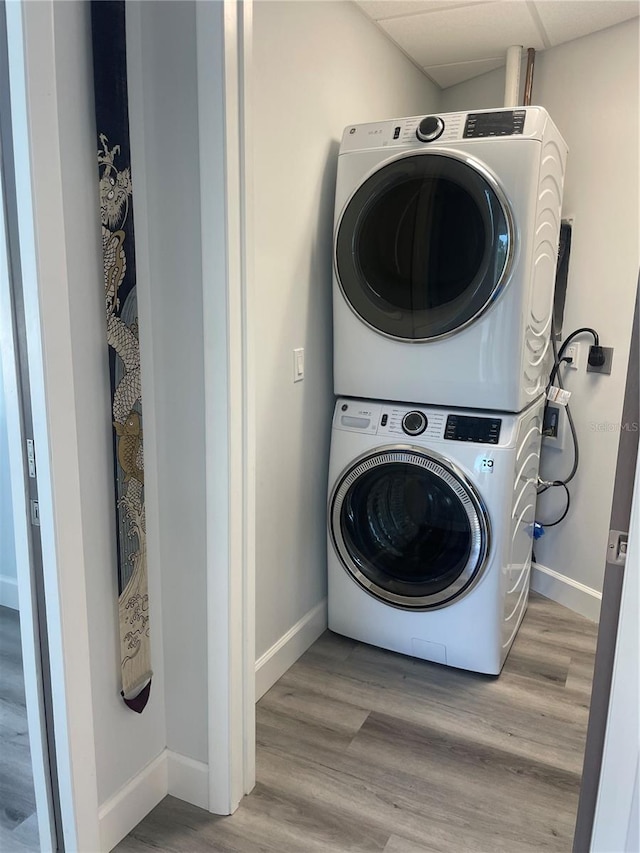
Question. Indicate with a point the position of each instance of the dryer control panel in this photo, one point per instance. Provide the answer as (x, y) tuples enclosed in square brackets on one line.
[(499, 123), (419, 132)]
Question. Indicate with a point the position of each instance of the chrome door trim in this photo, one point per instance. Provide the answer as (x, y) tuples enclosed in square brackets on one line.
[(512, 239), (462, 487)]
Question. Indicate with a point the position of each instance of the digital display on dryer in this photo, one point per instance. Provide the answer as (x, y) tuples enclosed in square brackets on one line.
[(502, 123), (467, 428)]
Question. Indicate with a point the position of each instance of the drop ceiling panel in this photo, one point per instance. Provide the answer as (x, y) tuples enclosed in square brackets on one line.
[(481, 31), (564, 20), (455, 40), (379, 9), (458, 72)]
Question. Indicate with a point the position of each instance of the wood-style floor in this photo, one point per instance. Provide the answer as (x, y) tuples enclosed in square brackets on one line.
[(18, 825), (361, 749)]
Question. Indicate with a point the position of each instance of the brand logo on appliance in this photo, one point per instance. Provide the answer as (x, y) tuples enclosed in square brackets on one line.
[(374, 132), (486, 464)]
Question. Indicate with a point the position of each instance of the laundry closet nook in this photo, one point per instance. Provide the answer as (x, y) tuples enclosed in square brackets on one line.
[(380, 544)]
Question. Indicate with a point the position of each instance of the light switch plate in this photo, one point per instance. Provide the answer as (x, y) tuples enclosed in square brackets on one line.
[(298, 364)]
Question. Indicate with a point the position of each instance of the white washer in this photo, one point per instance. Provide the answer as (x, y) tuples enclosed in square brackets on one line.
[(430, 523), (445, 249)]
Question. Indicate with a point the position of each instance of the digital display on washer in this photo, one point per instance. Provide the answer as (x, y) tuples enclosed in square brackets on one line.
[(466, 428), (503, 123)]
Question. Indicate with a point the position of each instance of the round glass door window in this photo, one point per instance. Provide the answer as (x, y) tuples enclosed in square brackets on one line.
[(409, 529), (423, 247)]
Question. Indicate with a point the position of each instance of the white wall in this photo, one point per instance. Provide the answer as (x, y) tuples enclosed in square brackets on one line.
[(590, 87), (8, 574), (172, 212), (124, 741), (317, 67)]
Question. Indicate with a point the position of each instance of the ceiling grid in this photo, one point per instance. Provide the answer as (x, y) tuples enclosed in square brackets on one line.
[(455, 40)]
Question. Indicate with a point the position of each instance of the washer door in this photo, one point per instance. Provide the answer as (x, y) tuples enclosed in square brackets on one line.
[(409, 528), (424, 246)]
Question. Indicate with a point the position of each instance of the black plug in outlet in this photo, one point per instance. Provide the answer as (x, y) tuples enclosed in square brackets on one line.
[(600, 361), (596, 356)]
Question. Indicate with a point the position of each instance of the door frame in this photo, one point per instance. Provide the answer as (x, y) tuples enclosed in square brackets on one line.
[(41, 226), (224, 44), (18, 419), (617, 802)]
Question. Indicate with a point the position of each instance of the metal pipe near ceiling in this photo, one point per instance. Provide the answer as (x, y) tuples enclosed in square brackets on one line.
[(528, 80), (512, 76)]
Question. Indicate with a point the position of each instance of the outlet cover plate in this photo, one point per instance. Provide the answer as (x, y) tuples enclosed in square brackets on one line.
[(608, 360)]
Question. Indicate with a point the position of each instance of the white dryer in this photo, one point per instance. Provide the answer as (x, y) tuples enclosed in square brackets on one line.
[(445, 249), (430, 522)]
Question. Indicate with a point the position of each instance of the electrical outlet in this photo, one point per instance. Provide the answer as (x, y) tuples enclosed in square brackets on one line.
[(553, 427), (573, 352)]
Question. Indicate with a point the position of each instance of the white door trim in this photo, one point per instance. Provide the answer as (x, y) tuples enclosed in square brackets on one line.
[(245, 19), (612, 825), (55, 414), (25, 590), (223, 55)]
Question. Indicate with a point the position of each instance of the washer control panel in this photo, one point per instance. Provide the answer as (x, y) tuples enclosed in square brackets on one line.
[(473, 428), (429, 424)]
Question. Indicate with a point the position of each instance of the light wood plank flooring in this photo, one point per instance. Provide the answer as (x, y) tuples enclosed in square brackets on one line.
[(18, 826), (361, 749)]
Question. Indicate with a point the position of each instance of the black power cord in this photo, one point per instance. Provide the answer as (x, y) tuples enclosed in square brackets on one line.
[(566, 509), (596, 355), (559, 358)]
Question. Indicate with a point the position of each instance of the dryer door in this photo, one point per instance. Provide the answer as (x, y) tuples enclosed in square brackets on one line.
[(409, 528), (424, 246)]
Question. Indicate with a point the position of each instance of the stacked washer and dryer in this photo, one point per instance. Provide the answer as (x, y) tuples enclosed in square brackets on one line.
[(445, 250)]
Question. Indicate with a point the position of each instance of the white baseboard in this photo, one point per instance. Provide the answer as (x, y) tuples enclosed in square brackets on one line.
[(169, 773), (566, 591), (9, 592), (120, 813), (285, 652), (188, 779)]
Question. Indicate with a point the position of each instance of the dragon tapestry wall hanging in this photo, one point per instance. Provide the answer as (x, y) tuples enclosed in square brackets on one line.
[(118, 247)]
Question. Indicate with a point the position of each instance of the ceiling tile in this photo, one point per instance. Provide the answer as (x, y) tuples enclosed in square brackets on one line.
[(379, 9), (458, 72), (564, 20), (481, 31)]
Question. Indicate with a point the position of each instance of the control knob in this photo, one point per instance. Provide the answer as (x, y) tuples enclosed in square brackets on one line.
[(430, 128), (414, 423)]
